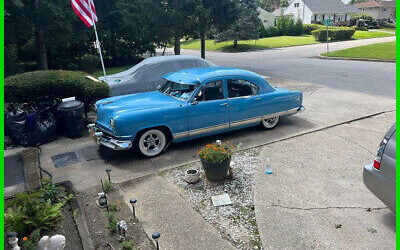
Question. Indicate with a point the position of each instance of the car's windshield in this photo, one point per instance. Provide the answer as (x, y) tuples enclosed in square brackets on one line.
[(181, 91)]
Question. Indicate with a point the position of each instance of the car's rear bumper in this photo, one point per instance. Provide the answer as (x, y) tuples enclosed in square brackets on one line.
[(101, 137), (382, 187)]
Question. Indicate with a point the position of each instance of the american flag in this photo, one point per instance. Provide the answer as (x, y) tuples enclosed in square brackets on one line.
[(85, 10)]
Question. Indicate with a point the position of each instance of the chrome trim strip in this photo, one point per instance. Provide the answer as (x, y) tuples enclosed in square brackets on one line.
[(208, 129), (246, 121), (181, 135), (236, 124)]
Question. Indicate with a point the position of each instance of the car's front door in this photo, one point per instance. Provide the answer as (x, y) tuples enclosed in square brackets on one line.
[(208, 112)]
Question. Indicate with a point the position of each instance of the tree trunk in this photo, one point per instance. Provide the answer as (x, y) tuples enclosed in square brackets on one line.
[(42, 51), (203, 42), (41, 46), (177, 44), (235, 44)]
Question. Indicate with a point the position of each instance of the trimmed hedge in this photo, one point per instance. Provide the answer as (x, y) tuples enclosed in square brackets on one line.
[(308, 28), (339, 33), (36, 85)]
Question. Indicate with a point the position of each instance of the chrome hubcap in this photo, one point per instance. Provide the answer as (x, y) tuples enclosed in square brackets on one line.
[(152, 142), (270, 122)]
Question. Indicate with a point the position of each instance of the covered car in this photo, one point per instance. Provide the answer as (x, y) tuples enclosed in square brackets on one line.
[(147, 75)]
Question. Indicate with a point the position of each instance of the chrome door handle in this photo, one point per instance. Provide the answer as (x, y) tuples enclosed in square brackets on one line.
[(258, 99), (224, 104)]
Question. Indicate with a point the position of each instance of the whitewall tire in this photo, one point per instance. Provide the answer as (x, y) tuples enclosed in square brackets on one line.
[(270, 123), (151, 143)]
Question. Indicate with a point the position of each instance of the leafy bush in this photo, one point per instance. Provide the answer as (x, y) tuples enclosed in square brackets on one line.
[(307, 28), (50, 192), (298, 27), (89, 63), (127, 245), (362, 28), (339, 33), (112, 222), (30, 211), (31, 242), (269, 32), (31, 86), (215, 153)]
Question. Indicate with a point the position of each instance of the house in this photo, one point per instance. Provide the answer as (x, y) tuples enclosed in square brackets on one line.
[(267, 18), (316, 11), (380, 10)]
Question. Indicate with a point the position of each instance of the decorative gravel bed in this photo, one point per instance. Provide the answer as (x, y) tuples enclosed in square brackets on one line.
[(236, 222)]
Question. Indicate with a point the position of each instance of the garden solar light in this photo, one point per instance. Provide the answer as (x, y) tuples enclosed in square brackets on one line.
[(108, 171), (155, 237), (122, 228), (133, 202)]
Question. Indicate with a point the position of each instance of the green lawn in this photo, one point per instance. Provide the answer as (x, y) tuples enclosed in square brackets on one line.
[(385, 51), (369, 34), (110, 70), (270, 42)]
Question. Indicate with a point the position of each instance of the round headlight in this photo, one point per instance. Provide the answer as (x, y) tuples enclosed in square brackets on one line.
[(112, 123)]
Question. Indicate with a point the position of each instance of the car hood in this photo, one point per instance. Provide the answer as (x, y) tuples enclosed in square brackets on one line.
[(114, 107)]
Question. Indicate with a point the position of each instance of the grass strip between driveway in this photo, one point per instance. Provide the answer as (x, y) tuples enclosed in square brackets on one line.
[(383, 51), (271, 42)]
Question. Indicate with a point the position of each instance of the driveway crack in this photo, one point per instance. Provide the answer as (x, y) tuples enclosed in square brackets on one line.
[(355, 143)]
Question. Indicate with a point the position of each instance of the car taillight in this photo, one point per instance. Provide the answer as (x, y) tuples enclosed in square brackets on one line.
[(379, 154)]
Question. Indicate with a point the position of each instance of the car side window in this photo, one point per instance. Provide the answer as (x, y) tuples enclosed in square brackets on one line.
[(237, 88), (210, 91)]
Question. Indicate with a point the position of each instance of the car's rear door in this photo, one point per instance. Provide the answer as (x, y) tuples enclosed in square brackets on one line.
[(244, 103), (208, 112)]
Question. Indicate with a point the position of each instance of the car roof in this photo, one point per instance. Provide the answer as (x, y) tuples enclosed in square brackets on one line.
[(194, 75)]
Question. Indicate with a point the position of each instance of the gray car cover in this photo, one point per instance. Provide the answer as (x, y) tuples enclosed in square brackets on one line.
[(146, 75)]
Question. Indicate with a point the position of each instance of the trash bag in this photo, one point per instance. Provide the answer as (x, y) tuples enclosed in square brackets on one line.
[(44, 129), (15, 125)]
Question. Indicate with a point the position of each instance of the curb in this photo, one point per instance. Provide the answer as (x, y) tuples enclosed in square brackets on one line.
[(79, 219), (356, 59)]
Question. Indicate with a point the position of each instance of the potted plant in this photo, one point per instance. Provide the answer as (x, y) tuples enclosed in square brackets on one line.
[(216, 159)]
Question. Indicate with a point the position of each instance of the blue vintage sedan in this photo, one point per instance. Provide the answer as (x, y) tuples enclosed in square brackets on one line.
[(192, 103)]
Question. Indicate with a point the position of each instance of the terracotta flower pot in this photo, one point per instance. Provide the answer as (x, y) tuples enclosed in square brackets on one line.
[(216, 171)]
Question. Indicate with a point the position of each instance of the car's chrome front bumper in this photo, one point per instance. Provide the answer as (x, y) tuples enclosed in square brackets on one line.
[(100, 137)]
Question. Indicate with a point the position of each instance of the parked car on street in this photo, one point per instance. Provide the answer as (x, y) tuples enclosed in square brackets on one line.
[(192, 103), (147, 75), (380, 175)]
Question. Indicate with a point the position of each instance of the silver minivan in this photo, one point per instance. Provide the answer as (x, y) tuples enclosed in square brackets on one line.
[(380, 175)]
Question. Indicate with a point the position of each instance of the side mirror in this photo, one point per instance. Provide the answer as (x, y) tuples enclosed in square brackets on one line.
[(194, 101), (159, 86)]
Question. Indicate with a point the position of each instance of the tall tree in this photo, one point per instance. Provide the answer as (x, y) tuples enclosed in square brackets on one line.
[(210, 13), (246, 26)]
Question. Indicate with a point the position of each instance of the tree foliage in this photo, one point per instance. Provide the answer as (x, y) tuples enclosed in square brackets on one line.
[(246, 25)]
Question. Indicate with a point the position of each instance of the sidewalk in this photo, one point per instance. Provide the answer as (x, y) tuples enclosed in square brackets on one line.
[(160, 209)]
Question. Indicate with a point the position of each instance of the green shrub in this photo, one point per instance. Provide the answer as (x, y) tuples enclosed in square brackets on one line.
[(335, 33), (307, 28), (31, 86), (269, 32), (112, 222), (127, 245), (29, 212), (298, 28), (107, 186), (88, 63), (32, 241), (50, 191), (362, 28)]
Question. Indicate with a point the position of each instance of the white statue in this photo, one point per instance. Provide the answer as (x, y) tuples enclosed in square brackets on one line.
[(56, 242), (13, 241)]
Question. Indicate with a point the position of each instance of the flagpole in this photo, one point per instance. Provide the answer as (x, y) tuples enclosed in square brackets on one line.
[(97, 38)]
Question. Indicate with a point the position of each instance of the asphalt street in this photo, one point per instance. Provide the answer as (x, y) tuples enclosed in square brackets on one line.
[(301, 63)]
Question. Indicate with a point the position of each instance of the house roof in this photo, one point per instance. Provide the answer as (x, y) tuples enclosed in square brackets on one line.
[(329, 6), (373, 4)]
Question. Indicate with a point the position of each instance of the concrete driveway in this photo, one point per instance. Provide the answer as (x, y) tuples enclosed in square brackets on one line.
[(324, 107), (316, 199)]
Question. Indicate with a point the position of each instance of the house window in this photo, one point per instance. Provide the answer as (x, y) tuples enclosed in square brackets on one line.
[(385, 9), (362, 9), (296, 5)]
